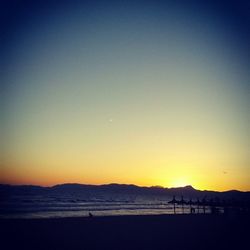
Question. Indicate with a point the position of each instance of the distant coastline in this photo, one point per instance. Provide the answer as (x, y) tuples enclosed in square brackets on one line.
[(187, 191)]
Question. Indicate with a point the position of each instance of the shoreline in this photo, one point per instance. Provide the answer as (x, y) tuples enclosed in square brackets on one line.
[(15, 217)]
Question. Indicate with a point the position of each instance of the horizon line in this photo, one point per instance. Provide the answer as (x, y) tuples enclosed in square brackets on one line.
[(126, 184)]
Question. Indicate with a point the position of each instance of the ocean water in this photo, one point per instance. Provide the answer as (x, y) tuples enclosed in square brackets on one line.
[(52, 206)]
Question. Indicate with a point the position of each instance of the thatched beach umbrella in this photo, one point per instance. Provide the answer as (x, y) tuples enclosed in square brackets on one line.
[(190, 202), (211, 205), (204, 203), (182, 202), (173, 201), (198, 205)]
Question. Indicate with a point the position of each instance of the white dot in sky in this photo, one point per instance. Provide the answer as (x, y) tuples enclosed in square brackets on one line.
[(110, 120)]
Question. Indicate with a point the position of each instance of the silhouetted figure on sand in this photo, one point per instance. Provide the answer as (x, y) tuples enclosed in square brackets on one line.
[(91, 215)]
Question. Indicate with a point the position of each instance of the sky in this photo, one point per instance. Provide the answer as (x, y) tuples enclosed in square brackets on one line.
[(142, 92)]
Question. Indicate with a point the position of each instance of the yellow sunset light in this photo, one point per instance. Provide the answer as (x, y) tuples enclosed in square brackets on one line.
[(180, 182)]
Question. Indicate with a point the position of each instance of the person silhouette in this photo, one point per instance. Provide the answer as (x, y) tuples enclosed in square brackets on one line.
[(91, 215)]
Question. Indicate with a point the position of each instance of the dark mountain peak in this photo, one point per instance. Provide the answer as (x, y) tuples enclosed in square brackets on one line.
[(189, 187), (68, 185), (233, 191), (157, 186), (118, 185)]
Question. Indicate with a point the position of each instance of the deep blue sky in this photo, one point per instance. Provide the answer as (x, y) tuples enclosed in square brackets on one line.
[(144, 92)]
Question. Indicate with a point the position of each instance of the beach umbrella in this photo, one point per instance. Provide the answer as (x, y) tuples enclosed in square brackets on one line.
[(211, 205), (204, 203), (173, 201), (182, 202), (190, 202), (198, 205)]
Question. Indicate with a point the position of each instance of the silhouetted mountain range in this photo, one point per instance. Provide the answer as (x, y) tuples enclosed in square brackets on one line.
[(119, 189)]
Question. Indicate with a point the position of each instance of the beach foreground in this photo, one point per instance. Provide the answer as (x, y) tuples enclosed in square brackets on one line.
[(127, 232)]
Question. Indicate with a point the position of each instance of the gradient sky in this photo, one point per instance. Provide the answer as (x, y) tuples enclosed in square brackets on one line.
[(143, 92)]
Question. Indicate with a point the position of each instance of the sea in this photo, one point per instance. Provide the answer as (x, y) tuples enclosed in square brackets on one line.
[(58, 206)]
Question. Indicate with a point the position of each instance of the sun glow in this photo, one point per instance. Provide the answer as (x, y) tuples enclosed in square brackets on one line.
[(180, 182)]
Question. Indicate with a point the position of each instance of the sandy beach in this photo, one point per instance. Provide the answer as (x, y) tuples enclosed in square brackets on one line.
[(127, 232)]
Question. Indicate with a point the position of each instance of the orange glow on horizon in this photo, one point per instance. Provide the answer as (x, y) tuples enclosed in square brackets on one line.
[(165, 180)]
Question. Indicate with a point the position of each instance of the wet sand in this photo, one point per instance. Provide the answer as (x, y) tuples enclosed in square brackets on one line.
[(127, 232)]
